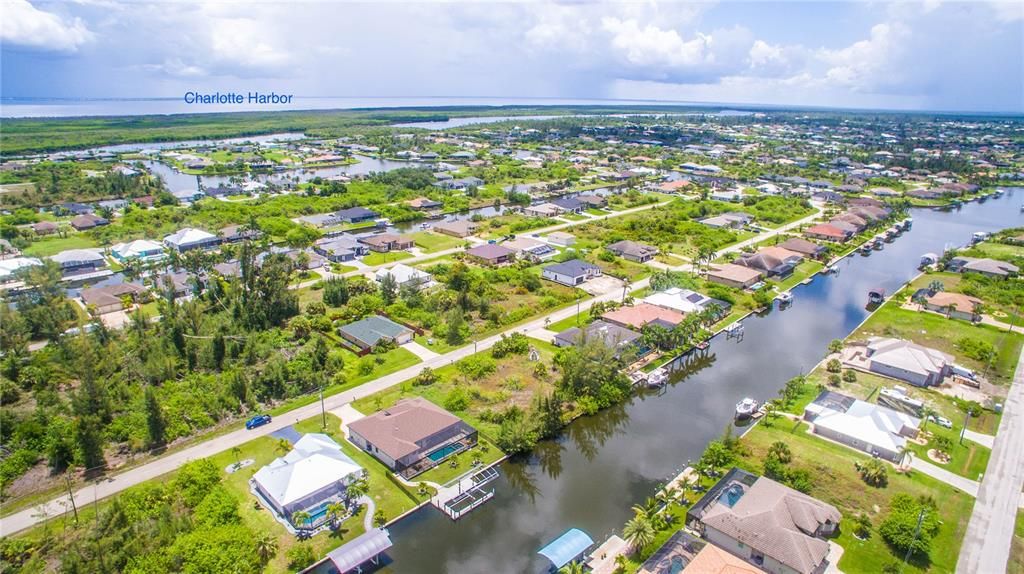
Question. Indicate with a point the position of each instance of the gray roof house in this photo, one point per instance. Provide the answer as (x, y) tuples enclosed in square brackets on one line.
[(613, 336), (632, 250), (984, 266), (571, 273), (916, 364), (340, 248), (356, 215), (768, 524), (874, 429), (368, 332)]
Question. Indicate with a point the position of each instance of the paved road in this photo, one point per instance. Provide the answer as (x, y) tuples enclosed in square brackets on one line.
[(986, 546), (24, 519), (985, 440)]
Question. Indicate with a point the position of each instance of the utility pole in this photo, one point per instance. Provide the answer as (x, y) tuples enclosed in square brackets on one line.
[(963, 431), (917, 532), (323, 411), (71, 495)]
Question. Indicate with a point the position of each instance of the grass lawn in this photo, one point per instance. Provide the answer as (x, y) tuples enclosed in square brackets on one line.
[(513, 381), (444, 473), (941, 333), (1016, 563), (669, 259), (570, 322), (598, 212), (54, 244), (802, 272), (431, 242), (387, 496), (376, 258), (968, 459), (440, 345), (339, 268), (836, 481), (573, 216)]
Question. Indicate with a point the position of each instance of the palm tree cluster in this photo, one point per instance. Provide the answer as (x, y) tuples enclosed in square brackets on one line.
[(691, 331)]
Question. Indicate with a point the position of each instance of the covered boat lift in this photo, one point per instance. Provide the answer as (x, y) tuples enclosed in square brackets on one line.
[(567, 548), (366, 548)]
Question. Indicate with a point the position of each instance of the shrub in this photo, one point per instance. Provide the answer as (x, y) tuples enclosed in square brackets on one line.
[(873, 473), (976, 349), (850, 376), (862, 526), (833, 366), (426, 378), (477, 367), (899, 529), (300, 556), (835, 346), (834, 380), (457, 400), (515, 344)]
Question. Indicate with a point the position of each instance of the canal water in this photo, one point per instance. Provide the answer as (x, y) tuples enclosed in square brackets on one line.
[(590, 476)]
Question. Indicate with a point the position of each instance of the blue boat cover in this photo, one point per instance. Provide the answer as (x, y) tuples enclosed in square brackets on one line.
[(567, 547)]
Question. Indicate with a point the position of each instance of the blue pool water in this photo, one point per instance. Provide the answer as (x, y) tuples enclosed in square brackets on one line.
[(732, 495), (443, 452)]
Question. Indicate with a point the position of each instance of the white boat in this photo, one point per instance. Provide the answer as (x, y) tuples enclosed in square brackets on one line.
[(908, 222), (657, 378), (785, 297), (746, 408), (929, 259), (424, 225), (978, 237)]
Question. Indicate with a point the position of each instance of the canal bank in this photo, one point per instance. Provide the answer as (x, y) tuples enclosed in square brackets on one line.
[(590, 475)]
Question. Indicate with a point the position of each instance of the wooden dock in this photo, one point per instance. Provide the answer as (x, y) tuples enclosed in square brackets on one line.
[(466, 494)]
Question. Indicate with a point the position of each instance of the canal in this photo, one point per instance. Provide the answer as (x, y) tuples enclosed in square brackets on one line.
[(600, 466)]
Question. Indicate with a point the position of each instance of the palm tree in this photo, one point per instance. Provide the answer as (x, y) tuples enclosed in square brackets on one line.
[(926, 413), (639, 531), (266, 546), (571, 568), (283, 446), (335, 512), (357, 490), (300, 518)]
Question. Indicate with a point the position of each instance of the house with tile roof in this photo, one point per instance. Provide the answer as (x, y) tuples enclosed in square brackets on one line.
[(767, 524), (368, 332), (412, 436), (874, 429), (907, 361)]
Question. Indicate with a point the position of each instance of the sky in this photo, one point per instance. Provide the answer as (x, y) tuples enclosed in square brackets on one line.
[(930, 55)]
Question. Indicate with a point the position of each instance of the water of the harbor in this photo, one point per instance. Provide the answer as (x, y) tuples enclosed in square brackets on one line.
[(602, 465)]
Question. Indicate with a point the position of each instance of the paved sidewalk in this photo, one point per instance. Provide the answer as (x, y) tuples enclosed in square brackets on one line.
[(986, 546)]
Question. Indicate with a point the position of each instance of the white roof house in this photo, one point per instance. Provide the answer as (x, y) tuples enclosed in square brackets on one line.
[(9, 267), (138, 249), (683, 300), (403, 274), (190, 238), (871, 428), (79, 257), (312, 473)]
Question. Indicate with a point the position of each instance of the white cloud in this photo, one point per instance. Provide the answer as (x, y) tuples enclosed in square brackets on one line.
[(26, 26), (652, 47), (866, 64)]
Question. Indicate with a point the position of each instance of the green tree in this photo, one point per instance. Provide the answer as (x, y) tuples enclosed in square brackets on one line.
[(299, 519), (900, 530), (639, 531), (389, 288), (155, 423), (300, 556), (266, 546), (89, 438), (780, 450), (835, 346)]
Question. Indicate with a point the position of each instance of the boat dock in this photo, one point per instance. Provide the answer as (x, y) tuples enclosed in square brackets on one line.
[(466, 494)]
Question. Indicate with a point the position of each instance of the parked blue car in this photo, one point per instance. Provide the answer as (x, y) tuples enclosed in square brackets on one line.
[(257, 421)]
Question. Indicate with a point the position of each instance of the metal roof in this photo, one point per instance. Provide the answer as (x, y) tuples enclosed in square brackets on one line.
[(567, 547), (360, 550)]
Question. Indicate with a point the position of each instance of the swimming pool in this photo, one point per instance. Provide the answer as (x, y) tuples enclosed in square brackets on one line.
[(732, 495), (444, 451)]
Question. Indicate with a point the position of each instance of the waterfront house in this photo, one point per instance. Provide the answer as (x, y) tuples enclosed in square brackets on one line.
[(633, 251), (340, 248), (874, 429), (769, 264), (569, 204), (530, 249), (640, 314), (145, 201), (190, 238), (694, 556), (386, 242), (424, 204), (543, 210), (321, 219), (592, 201), (112, 204), (412, 435), (561, 238), (368, 332), (955, 305), (491, 254), (765, 523), (613, 336), (73, 208), (804, 247), (828, 232), (404, 276), (686, 301), (732, 196), (222, 191), (356, 215), (571, 273), (459, 228), (314, 473), (985, 266), (142, 249), (73, 261), (737, 276), (898, 359), (88, 221)]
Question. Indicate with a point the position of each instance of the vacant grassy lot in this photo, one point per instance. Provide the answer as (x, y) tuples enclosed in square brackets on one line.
[(1016, 564), (54, 244), (376, 258), (431, 242), (836, 481), (944, 334)]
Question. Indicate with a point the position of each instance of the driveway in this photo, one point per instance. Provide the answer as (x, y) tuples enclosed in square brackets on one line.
[(420, 351), (938, 473), (986, 546), (602, 285)]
